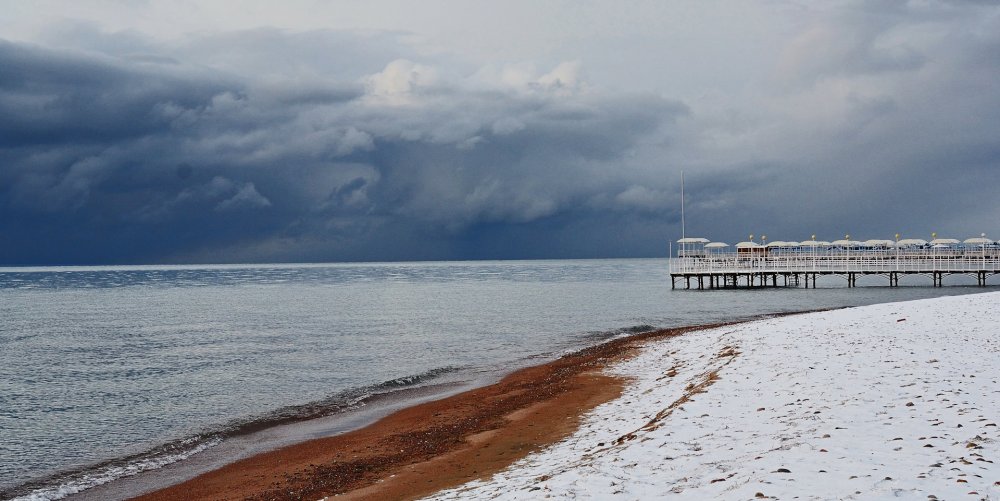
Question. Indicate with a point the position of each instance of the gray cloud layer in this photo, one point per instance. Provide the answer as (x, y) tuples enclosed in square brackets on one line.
[(271, 145)]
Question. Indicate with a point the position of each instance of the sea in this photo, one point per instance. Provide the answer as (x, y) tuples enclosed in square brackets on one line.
[(117, 380)]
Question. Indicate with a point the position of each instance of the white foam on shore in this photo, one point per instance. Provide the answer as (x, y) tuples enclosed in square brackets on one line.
[(84, 481), (890, 400)]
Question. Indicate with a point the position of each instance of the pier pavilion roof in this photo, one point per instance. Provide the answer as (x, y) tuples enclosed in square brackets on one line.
[(978, 241), (879, 243)]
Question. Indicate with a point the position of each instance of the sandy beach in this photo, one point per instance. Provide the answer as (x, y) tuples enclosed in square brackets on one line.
[(436, 445), (890, 400), (896, 400)]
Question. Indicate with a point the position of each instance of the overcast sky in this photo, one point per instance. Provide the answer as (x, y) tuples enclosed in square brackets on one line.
[(183, 131)]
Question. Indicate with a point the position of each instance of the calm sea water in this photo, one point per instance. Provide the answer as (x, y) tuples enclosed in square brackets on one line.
[(109, 371)]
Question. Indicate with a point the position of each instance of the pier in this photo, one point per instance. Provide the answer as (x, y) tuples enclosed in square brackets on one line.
[(701, 264)]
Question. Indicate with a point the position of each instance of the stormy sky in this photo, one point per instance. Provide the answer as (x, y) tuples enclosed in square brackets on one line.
[(189, 132)]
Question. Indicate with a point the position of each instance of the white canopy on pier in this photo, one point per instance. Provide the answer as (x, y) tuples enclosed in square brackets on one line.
[(911, 241), (944, 241), (748, 245), (693, 240), (879, 243), (846, 243), (977, 241), (716, 245), (814, 243)]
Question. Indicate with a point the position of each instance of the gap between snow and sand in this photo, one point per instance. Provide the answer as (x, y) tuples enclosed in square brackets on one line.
[(890, 400)]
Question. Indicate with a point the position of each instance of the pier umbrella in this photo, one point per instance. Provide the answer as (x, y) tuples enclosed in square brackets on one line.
[(912, 242)]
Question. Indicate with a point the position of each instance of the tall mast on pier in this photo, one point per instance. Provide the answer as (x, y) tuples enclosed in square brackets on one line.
[(682, 204)]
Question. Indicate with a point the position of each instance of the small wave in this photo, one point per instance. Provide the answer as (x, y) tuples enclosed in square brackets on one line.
[(75, 481), (418, 378), (78, 481), (337, 403), (638, 329), (597, 337)]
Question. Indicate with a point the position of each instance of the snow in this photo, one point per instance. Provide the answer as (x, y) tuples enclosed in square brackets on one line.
[(890, 400)]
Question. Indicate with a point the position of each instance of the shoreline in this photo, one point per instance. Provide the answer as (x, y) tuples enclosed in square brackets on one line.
[(265, 439), (461, 437)]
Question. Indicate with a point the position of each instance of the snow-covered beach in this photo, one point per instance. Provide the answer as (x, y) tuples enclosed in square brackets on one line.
[(890, 400)]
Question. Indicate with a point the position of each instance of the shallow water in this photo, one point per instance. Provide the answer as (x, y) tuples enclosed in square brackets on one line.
[(106, 371)]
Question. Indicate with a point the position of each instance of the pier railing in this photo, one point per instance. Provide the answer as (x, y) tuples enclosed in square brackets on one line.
[(839, 262), (764, 267)]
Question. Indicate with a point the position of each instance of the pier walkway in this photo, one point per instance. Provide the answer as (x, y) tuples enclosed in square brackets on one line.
[(701, 264)]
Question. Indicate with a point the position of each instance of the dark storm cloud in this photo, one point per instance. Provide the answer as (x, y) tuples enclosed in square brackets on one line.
[(270, 145), (112, 158), (59, 97)]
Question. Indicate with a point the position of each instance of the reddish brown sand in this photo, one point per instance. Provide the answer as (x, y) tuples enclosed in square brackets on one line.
[(432, 446)]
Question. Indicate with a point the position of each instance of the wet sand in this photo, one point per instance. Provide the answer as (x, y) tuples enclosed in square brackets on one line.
[(431, 446)]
